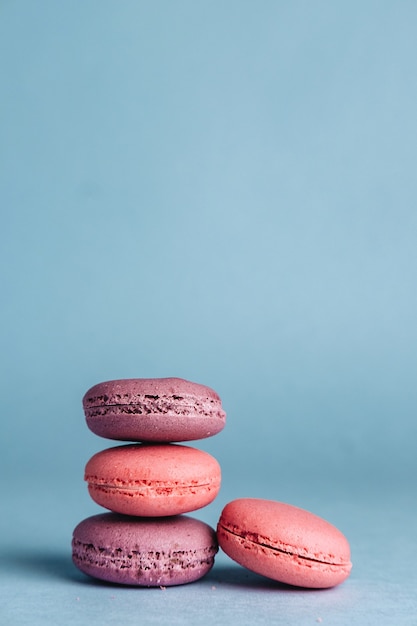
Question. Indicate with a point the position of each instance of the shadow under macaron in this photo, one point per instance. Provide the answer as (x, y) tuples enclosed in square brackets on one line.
[(234, 575), (42, 565)]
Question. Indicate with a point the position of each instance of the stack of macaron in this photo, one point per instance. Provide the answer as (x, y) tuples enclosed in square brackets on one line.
[(150, 483)]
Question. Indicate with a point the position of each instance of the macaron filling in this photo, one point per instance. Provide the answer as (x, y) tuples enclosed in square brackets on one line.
[(147, 487), (303, 556), (141, 563), (147, 404)]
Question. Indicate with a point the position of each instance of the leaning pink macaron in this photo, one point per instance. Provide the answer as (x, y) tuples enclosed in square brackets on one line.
[(284, 543), (153, 410), (153, 480)]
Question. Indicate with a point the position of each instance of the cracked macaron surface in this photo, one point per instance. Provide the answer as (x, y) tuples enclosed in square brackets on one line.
[(153, 480), (153, 410), (144, 552), (284, 543)]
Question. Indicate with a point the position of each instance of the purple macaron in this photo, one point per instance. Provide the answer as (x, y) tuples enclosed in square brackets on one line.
[(153, 410), (144, 552)]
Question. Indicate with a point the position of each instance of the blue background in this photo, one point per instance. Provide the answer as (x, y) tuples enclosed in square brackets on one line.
[(224, 192)]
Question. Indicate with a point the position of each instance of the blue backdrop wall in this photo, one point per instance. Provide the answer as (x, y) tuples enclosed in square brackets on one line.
[(223, 192)]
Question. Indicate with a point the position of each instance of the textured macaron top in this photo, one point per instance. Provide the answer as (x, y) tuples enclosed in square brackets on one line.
[(153, 409), (112, 532), (143, 465), (287, 529)]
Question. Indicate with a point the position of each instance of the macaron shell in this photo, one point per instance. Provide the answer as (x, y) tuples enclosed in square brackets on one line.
[(144, 552), (285, 543), (153, 410), (153, 480)]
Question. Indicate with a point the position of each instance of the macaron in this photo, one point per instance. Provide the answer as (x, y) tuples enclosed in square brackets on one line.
[(153, 410), (144, 552), (153, 480), (284, 543)]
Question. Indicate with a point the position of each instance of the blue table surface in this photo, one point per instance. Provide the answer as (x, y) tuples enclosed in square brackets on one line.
[(40, 585)]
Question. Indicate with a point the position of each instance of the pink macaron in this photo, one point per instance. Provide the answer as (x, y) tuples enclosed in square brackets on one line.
[(144, 552), (153, 479), (284, 543), (153, 410)]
